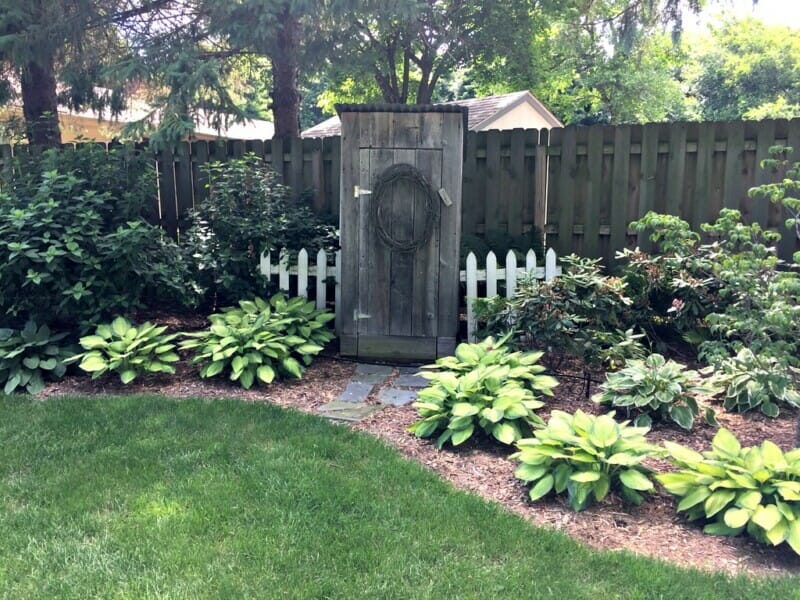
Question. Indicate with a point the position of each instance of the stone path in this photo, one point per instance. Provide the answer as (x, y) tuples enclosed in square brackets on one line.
[(351, 405)]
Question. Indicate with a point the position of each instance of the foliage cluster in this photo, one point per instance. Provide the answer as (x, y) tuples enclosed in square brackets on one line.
[(733, 489), (74, 249), (484, 385), (247, 213), (29, 355), (128, 350), (260, 340), (587, 456), (582, 313), (654, 388)]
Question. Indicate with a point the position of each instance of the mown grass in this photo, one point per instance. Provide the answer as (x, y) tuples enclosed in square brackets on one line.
[(145, 497)]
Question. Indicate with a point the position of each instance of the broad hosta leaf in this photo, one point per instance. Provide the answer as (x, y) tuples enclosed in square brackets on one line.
[(266, 373), (717, 501), (737, 517), (542, 488), (726, 443), (93, 363), (636, 480), (462, 435), (767, 516)]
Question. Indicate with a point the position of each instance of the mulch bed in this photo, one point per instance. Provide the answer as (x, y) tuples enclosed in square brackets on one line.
[(479, 466)]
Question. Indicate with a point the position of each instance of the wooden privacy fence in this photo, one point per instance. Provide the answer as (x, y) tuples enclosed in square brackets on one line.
[(581, 185), (327, 273)]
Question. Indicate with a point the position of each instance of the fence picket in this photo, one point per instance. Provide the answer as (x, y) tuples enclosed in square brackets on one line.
[(321, 271), (337, 296), (302, 273), (283, 270), (511, 273), (530, 261), (550, 269), (491, 275), (472, 293)]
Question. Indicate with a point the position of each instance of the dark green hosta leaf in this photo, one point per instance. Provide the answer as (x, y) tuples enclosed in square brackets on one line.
[(682, 415)]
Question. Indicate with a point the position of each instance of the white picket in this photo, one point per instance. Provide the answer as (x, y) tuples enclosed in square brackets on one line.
[(472, 292), (550, 269), (511, 273), (302, 273), (321, 271), (491, 275), (337, 298)]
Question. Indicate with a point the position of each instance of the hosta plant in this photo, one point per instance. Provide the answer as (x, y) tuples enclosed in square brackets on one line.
[(586, 456), (29, 355), (128, 350), (485, 386), (655, 388), (762, 382), (260, 340), (739, 490)]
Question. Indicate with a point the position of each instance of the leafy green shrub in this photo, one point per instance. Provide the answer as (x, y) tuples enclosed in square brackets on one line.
[(67, 260), (247, 213), (733, 489), (29, 355), (581, 313), (484, 384), (586, 456), (763, 382), (786, 191), (261, 340), (654, 388), (128, 350)]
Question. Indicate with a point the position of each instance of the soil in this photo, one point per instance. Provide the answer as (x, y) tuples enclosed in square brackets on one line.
[(482, 467)]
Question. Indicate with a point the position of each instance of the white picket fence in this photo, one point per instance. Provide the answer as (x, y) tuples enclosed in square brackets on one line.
[(510, 274), (323, 272)]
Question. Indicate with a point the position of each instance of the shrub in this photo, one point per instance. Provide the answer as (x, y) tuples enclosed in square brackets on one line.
[(586, 456), (733, 489), (66, 261), (573, 314), (763, 382), (128, 350), (484, 384), (261, 340), (654, 388), (247, 213), (29, 355)]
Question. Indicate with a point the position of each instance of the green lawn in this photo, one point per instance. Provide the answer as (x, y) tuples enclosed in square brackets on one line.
[(144, 497)]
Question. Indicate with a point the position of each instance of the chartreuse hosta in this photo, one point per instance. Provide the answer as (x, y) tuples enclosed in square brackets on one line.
[(484, 385), (260, 340), (586, 456), (733, 490), (128, 350)]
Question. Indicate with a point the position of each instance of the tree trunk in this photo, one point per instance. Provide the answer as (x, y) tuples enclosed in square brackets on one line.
[(40, 104), (285, 69)]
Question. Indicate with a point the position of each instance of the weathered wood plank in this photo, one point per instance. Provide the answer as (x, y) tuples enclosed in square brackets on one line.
[(349, 233), (166, 191), (566, 191), (734, 165), (759, 209), (450, 230), (591, 209), (516, 186), (647, 187), (184, 197), (425, 275), (492, 187), (677, 167)]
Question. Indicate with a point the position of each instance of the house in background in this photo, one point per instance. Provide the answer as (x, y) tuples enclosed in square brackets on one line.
[(505, 111), (88, 125)]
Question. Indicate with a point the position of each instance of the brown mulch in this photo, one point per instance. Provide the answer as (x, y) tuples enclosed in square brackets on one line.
[(481, 467)]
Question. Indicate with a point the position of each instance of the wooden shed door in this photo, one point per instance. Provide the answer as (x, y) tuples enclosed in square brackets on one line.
[(397, 302), (398, 293)]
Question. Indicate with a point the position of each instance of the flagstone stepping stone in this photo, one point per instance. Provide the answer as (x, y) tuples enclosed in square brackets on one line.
[(348, 411), (369, 369), (410, 380), (396, 397), (355, 392)]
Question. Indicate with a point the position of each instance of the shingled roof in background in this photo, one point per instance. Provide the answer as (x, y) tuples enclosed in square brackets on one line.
[(481, 112)]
